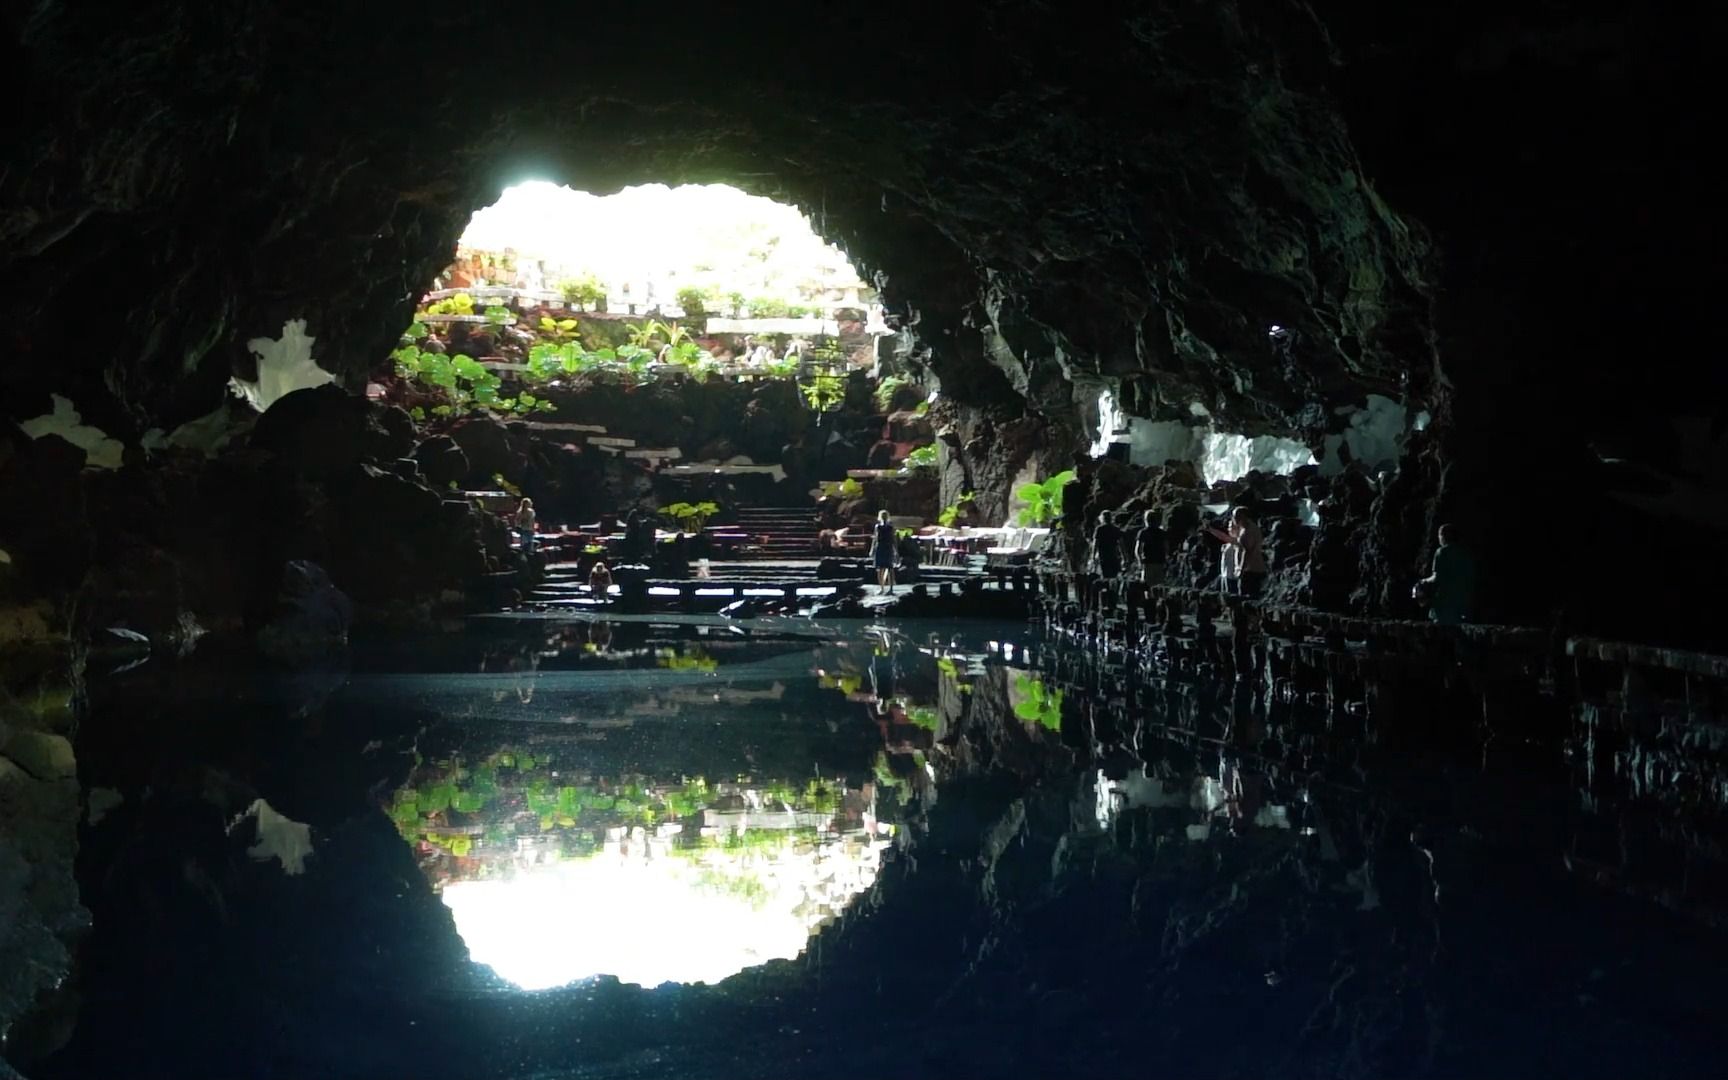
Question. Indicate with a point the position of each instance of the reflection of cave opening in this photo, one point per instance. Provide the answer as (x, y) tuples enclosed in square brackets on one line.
[(553, 874)]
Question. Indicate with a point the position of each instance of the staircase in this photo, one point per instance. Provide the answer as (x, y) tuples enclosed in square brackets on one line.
[(778, 532)]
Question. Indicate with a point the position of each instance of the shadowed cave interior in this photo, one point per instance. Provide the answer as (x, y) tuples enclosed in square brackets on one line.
[(284, 684)]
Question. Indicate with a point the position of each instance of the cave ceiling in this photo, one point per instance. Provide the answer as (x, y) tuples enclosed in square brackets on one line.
[(1136, 194)]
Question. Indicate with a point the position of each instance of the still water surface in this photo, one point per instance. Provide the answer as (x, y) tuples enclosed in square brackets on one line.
[(675, 848)]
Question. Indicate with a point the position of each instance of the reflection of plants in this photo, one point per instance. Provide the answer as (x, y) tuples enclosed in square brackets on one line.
[(690, 516), (1038, 705), (1043, 500), (948, 669), (692, 660), (924, 717), (846, 684)]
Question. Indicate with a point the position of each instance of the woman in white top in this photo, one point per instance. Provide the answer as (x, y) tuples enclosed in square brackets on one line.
[(524, 523), (1248, 545)]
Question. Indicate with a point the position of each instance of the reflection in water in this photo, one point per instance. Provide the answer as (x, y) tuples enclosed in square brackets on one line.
[(1087, 869), (650, 910), (554, 876)]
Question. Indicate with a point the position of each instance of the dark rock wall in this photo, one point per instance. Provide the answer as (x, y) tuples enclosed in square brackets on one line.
[(1480, 211)]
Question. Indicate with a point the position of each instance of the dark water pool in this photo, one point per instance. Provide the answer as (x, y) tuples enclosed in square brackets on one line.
[(675, 849)]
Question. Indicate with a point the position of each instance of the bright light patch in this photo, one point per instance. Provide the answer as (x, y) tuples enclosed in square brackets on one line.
[(648, 915), (702, 234)]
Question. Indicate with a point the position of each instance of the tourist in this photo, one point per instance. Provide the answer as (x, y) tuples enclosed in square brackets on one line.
[(524, 523), (1107, 548), (1229, 570), (1149, 548), (600, 579), (1452, 585), (1106, 561), (1245, 539), (882, 552)]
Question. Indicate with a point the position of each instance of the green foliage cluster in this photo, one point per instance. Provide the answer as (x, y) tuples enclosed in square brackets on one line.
[(923, 716), (465, 383), (922, 457), (460, 304), (584, 292), (690, 517), (824, 393), (849, 488), (950, 514), (691, 660), (1043, 500), (887, 388), (1038, 704)]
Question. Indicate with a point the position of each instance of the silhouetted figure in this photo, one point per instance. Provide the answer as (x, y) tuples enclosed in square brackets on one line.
[(882, 552), (524, 524), (600, 580), (1451, 588), (1150, 549)]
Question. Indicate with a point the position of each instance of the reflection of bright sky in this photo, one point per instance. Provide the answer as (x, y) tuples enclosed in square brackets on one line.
[(650, 917)]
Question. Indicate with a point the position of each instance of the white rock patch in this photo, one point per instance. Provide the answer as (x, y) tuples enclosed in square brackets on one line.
[(101, 452)]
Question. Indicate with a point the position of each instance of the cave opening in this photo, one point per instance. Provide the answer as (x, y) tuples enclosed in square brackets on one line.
[(1232, 587)]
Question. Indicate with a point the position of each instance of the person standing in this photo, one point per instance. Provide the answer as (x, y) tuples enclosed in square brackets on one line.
[(1150, 549), (882, 552), (1452, 585), (525, 524), (1248, 544)]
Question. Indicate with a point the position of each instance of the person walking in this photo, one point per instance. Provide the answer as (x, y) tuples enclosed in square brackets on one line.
[(882, 552)]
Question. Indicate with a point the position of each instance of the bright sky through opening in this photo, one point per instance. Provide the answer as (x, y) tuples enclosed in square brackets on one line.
[(706, 235)]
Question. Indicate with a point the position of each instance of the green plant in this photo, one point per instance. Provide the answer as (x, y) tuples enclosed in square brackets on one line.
[(695, 301), (766, 307), (951, 513), (923, 408), (460, 304), (558, 329), (923, 717), (583, 293), (1043, 500), (690, 516), (824, 393), (922, 457), (850, 488), (1038, 705), (886, 389), (499, 316)]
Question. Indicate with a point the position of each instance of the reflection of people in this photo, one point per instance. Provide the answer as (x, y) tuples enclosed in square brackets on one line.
[(882, 552)]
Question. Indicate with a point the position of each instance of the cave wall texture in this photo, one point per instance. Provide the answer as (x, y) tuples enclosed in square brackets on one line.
[(1485, 211)]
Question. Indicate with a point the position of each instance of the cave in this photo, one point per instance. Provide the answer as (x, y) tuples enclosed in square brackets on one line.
[(1045, 655)]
